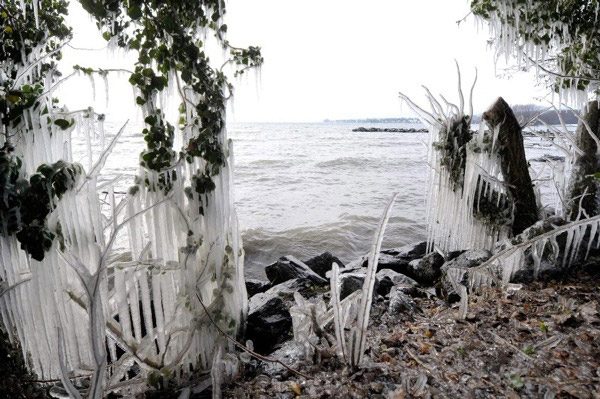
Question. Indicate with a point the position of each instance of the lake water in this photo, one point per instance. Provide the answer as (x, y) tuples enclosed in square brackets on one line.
[(303, 189)]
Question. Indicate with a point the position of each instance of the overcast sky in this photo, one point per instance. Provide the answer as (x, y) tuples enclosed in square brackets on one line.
[(345, 59), (342, 59)]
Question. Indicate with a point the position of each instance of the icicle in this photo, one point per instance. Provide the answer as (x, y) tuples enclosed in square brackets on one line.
[(35, 13)]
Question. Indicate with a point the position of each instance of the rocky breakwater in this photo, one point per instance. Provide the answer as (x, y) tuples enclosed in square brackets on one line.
[(390, 130)]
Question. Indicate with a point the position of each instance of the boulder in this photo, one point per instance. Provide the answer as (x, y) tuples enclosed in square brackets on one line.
[(351, 282), (288, 268), (291, 353), (254, 286), (323, 263), (397, 259), (269, 322), (396, 278), (306, 287), (389, 278), (412, 251), (427, 269), (401, 302), (468, 259)]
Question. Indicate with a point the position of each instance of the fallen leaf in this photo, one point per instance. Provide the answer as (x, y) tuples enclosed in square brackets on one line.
[(589, 312), (296, 388)]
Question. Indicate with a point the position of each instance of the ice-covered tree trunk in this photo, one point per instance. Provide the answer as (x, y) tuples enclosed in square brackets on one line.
[(513, 163), (467, 203), (583, 187)]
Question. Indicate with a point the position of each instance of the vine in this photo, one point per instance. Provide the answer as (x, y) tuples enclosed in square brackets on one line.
[(30, 50), (165, 35)]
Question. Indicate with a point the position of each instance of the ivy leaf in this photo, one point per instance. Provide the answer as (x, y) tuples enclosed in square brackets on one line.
[(13, 98), (62, 123)]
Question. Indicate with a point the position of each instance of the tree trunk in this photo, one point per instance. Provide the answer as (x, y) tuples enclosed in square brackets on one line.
[(515, 169), (582, 181)]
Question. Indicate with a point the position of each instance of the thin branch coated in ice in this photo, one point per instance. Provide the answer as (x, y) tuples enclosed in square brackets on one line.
[(359, 333)]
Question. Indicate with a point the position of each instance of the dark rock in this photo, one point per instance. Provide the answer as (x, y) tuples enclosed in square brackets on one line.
[(389, 278), (291, 354), (306, 287), (384, 287), (269, 322), (465, 261), (288, 268), (396, 278), (397, 259), (401, 303), (254, 286), (413, 251), (427, 269), (453, 254), (351, 282), (323, 263), (468, 259)]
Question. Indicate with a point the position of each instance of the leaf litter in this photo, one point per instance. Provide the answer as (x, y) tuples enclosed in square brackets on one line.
[(537, 340)]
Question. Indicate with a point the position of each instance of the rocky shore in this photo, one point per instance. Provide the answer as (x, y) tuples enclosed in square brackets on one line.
[(537, 339)]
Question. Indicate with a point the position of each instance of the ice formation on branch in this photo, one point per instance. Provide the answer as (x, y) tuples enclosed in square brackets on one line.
[(467, 205), (558, 38), (353, 312), (561, 245)]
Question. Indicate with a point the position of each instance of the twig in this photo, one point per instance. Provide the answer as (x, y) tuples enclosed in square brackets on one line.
[(503, 341), (245, 349), (464, 18), (557, 74), (419, 361), (55, 380)]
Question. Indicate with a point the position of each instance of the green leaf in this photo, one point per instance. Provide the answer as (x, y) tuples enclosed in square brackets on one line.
[(62, 123), (134, 12)]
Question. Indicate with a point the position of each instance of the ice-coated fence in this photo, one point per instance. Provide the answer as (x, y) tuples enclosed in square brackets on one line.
[(182, 258)]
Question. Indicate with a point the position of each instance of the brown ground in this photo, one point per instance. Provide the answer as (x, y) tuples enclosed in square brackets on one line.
[(542, 341)]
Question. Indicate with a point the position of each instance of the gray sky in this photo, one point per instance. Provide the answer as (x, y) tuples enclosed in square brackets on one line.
[(342, 59)]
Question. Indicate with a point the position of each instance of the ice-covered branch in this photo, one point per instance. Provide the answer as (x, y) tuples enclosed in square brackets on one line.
[(359, 332)]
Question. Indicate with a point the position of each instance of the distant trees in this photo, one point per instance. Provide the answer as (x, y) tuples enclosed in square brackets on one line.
[(539, 115)]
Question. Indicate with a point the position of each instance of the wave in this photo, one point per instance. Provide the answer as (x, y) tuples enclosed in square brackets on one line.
[(271, 163), (348, 239), (348, 162)]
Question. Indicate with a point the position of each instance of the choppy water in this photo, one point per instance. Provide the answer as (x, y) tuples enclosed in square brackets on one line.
[(302, 189)]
